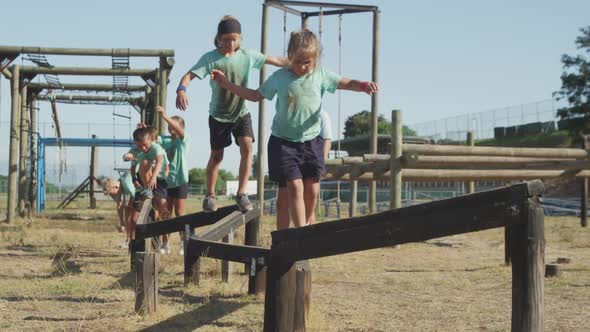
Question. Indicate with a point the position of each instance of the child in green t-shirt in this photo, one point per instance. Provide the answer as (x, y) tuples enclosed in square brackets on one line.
[(177, 147), (120, 191), (228, 114), (295, 149)]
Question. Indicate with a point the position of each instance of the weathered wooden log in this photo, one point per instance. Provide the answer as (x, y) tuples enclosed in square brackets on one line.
[(457, 150), (225, 264), (478, 162), (279, 304), (469, 174), (527, 250), (256, 281), (146, 283), (302, 294)]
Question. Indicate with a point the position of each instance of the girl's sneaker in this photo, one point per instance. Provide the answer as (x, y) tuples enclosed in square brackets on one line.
[(243, 202), (181, 251), (209, 204), (165, 248)]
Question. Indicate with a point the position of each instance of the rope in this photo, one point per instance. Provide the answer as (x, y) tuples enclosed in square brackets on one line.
[(284, 33), (321, 19)]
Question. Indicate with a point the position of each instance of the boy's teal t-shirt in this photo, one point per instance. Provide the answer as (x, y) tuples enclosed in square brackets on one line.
[(226, 106), (127, 185), (299, 101), (151, 154), (177, 152)]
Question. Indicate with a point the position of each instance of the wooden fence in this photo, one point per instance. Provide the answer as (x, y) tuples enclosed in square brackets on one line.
[(144, 249), (429, 162)]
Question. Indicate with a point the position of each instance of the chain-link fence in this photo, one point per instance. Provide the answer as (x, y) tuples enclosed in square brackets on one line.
[(482, 124)]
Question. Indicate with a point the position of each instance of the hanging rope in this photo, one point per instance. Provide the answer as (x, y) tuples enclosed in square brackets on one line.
[(284, 33)]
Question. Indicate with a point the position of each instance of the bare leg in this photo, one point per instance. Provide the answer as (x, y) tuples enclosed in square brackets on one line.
[(283, 219), (180, 210), (212, 170), (296, 205), (245, 143), (311, 190)]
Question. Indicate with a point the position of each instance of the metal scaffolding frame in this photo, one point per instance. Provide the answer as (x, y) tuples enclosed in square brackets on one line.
[(336, 9), (24, 93)]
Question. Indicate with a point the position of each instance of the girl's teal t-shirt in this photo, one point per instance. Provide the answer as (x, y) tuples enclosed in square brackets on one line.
[(299, 101)]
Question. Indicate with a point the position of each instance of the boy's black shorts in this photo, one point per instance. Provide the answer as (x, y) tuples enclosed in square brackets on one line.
[(292, 160), (220, 132)]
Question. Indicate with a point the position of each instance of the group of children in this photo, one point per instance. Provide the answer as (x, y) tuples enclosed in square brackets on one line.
[(300, 134)]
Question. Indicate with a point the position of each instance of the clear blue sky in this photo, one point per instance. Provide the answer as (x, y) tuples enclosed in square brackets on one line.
[(437, 58)]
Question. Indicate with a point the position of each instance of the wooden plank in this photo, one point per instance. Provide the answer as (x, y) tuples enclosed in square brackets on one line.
[(232, 221), (528, 255), (479, 162), (352, 207), (457, 150), (139, 245), (231, 252), (452, 216), (194, 220)]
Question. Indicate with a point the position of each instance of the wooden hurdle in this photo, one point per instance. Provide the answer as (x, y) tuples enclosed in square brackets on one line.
[(517, 206)]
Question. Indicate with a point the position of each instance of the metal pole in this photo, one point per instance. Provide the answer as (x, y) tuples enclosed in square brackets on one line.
[(13, 152), (374, 107), (395, 183), (92, 177), (584, 202), (470, 142), (85, 87), (164, 69), (22, 164), (261, 153)]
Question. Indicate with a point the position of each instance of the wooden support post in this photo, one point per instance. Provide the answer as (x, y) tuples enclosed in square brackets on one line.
[(23, 148), (352, 208), (146, 283), (260, 154), (470, 184), (226, 265), (192, 262), (14, 148), (395, 177), (507, 244), (584, 198), (279, 304), (374, 105), (257, 278), (528, 256), (146, 267), (302, 293), (92, 186), (33, 175), (163, 91)]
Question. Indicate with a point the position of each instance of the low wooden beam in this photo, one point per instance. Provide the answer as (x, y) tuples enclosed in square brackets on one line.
[(230, 222), (457, 150), (230, 252), (470, 213), (194, 220)]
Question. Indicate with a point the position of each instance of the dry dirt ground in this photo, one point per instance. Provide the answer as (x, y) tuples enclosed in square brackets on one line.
[(69, 275)]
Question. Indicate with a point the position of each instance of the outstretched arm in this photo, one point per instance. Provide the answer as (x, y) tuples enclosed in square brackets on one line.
[(240, 91), (356, 85), (171, 122), (181, 98), (277, 61)]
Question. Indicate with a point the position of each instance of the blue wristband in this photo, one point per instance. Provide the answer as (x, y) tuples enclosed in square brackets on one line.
[(181, 88)]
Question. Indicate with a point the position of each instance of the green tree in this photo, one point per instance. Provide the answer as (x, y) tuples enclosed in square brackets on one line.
[(575, 87), (359, 124), (198, 176)]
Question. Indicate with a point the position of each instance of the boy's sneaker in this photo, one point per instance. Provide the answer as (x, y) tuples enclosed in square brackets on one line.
[(243, 202), (165, 248), (209, 204), (146, 193)]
